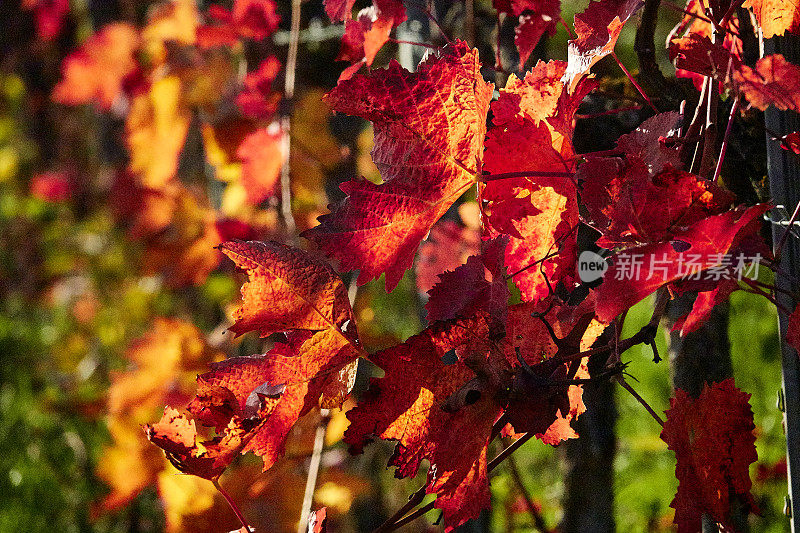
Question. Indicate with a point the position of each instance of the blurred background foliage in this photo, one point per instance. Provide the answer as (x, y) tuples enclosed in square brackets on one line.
[(101, 325)]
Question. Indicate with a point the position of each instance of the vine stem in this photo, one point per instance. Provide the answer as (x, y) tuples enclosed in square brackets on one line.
[(538, 519), (232, 504), (625, 385), (633, 81), (724, 149), (313, 470), (286, 121), (427, 507)]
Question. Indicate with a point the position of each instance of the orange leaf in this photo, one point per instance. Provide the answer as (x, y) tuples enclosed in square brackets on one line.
[(95, 72), (288, 289), (429, 129), (776, 16)]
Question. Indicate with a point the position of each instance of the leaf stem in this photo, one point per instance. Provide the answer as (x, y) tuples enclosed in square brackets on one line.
[(538, 519), (232, 504)]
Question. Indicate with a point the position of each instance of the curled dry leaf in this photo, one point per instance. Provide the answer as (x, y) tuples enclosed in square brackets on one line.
[(177, 435)]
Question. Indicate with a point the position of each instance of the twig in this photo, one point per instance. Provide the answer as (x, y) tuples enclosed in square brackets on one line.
[(313, 470), (413, 500), (633, 81), (233, 505), (734, 110), (625, 385), (538, 519), (286, 122), (384, 528)]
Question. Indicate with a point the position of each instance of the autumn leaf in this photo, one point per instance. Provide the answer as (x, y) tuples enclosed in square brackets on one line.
[(339, 10), (776, 17), (477, 285), (705, 302), (540, 212), (429, 129), (597, 28), (648, 142), (712, 437), (288, 289), (407, 405), (155, 130), (447, 247), (48, 15), (177, 436), (52, 186), (262, 158), (539, 17), (257, 99), (629, 206), (170, 23), (164, 363), (364, 36), (95, 72), (773, 81), (663, 262), (318, 521)]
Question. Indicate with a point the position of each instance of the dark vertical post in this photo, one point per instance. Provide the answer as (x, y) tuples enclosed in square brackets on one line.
[(784, 182)]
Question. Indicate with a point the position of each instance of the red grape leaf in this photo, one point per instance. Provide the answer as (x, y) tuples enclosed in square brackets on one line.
[(477, 285), (623, 286), (627, 205), (712, 437), (706, 301), (312, 369), (696, 53), (429, 129), (48, 15), (776, 16), (774, 81), (95, 71), (318, 521), (540, 17), (447, 247), (539, 214), (257, 99), (176, 435), (791, 142), (410, 403), (288, 289), (256, 19), (339, 10), (364, 36), (648, 142), (597, 28), (52, 186)]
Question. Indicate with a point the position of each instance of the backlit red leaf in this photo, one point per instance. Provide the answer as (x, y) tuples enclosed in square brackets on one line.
[(429, 129), (708, 240), (773, 81), (408, 405), (49, 16), (712, 437), (477, 285), (447, 247), (598, 28), (262, 158), (288, 289), (541, 17)]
